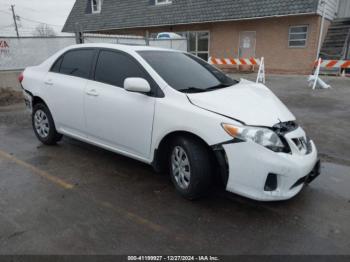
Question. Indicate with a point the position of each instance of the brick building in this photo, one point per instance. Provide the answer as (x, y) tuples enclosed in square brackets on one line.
[(285, 32)]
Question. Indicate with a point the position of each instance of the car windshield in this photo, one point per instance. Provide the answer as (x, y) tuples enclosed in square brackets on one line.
[(185, 72)]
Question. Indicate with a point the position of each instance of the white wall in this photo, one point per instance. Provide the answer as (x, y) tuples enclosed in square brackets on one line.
[(344, 9), (177, 44), (96, 38), (29, 51), (331, 8)]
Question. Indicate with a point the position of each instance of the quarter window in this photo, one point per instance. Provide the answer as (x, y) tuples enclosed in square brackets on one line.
[(77, 63), (298, 36), (113, 68), (56, 67)]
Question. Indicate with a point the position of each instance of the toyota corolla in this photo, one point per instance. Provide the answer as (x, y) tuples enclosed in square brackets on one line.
[(176, 112)]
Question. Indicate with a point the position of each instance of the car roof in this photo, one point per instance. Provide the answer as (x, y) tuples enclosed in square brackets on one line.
[(126, 48)]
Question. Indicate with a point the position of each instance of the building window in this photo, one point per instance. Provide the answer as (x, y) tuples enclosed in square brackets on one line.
[(199, 44), (298, 36), (96, 6), (163, 2)]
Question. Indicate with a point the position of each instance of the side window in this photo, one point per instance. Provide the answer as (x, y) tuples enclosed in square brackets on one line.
[(56, 66), (77, 63), (163, 2), (113, 68), (298, 36), (96, 6)]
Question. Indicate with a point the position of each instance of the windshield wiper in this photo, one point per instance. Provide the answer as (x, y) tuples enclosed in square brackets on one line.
[(219, 86), (192, 89)]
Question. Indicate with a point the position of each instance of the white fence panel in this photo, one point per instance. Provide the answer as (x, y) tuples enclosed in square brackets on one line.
[(19, 53), (108, 39), (177, 44)]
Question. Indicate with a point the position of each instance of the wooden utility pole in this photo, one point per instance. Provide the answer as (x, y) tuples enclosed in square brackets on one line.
[(79, 35), (14, 19)]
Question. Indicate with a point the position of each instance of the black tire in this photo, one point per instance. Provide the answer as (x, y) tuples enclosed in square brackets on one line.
[(51, 137), (200, 168)]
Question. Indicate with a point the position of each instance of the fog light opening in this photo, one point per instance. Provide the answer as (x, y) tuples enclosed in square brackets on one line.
[(271, 182)]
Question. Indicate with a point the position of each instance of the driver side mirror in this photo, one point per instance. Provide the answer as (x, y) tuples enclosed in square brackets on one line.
[(137, 84)]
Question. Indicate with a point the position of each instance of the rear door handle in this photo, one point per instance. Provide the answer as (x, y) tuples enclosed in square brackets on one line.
[(92, 92)]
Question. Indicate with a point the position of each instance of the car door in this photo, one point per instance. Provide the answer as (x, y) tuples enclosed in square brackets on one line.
[(64, 90), (115, 117)]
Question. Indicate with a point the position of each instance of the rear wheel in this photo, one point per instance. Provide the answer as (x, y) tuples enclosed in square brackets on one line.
[(190, 167), (44, 126)]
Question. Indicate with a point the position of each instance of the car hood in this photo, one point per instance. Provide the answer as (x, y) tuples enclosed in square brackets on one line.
[(248, 102)]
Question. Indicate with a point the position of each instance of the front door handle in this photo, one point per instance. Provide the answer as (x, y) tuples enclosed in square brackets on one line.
[(92, 92), (48, 82)]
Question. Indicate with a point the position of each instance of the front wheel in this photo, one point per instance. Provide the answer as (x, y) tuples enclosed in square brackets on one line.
[(44, 126), (190, 167)]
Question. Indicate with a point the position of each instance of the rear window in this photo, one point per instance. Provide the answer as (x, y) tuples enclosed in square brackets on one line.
[(77, 63)]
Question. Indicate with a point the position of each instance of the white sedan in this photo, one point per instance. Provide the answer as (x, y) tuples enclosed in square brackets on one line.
[(176, 112)]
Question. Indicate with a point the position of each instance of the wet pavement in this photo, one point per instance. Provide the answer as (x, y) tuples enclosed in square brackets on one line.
[(74, 198)]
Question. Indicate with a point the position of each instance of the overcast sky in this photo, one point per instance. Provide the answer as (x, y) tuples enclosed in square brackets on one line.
[(32, 12)]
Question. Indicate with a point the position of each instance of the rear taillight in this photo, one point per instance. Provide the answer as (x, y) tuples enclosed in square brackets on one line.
[(20, 77)]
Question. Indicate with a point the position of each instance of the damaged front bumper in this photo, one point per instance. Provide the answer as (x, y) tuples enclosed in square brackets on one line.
[(256, 172)]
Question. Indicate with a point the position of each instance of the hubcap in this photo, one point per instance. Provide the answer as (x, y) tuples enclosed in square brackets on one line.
[(181, 167), (41, 123)]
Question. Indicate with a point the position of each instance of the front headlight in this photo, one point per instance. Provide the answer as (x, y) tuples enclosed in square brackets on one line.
[(259, 135)]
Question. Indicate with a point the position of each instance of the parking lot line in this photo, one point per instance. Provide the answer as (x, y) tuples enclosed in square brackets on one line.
[(36, 171), (135, 218), (142, 221), (123, 212)]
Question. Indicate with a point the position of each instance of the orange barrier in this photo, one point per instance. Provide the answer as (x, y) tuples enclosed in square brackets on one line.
[(234, 61)]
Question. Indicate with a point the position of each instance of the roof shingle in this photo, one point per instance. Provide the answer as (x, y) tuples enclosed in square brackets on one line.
[(119, 14)]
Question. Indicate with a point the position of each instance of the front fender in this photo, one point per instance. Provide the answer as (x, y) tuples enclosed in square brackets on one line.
[(182, 116)]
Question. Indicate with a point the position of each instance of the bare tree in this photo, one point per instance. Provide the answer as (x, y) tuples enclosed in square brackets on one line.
[(44, 30)]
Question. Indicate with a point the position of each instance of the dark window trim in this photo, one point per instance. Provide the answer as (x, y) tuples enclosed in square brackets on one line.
[(156, 91), (72, 50), (54, 64)]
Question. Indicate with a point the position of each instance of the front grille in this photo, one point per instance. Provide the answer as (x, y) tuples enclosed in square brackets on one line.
[(303, 144), (308, 146)]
